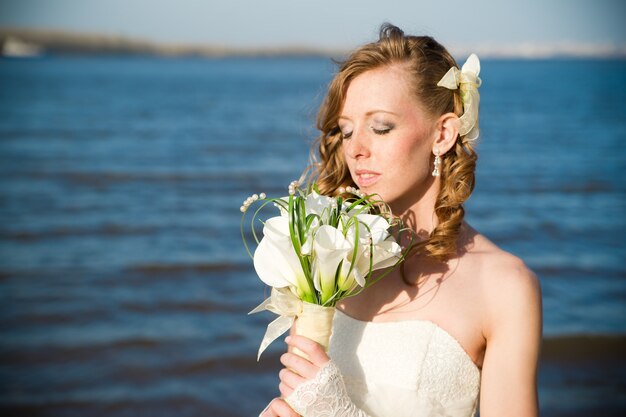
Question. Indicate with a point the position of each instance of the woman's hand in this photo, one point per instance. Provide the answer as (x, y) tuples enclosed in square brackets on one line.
[(297, 370)]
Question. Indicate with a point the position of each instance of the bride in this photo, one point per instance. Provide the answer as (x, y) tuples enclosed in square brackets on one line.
[(458, 327)]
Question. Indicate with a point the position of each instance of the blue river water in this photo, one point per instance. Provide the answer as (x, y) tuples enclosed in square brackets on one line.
[(124, 285)]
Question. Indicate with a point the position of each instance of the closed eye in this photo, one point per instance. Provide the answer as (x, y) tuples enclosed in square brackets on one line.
[(381, 131)]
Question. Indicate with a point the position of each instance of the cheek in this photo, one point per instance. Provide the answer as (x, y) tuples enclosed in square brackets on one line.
[(410, 163), (343, 155), (341, 151), (410, 154)]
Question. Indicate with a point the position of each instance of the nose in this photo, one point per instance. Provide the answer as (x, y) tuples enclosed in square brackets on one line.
[(358, 145)]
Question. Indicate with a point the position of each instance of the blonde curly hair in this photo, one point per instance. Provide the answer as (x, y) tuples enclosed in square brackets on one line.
[(426, 61)]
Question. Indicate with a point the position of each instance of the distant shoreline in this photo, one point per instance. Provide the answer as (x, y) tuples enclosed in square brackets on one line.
[(61, 42)]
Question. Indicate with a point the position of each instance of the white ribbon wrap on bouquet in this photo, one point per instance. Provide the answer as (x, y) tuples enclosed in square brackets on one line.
[(314, 321)]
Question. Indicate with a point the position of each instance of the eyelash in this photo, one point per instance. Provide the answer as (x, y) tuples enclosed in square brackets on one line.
[(382, 131), (377, 131)]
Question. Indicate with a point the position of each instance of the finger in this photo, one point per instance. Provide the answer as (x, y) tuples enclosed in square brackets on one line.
[(282, 409), (285, 390), (315, 351), (289, 378), (299, 365)]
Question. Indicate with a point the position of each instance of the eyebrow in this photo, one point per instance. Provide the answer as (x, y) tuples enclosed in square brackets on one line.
[(369, 113)]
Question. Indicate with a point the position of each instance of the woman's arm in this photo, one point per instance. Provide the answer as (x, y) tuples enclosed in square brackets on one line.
[(513, 333)]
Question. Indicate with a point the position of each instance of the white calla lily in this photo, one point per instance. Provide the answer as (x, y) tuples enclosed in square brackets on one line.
[(347, 279), (330, 248), (384, 251), (385, 254), (373, 221), (275, 259), (319, 205), (374, 227), (358, 209), (307, 247)]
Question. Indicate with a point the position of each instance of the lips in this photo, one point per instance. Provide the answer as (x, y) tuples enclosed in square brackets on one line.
[(366, 178)]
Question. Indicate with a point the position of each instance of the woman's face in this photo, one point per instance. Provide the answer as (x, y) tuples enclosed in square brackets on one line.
[(388, 137)]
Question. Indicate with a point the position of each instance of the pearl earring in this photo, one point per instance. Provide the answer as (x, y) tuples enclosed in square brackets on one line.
[(436, 172)]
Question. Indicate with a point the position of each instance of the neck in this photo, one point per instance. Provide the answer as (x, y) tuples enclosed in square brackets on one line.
[(419, 214)]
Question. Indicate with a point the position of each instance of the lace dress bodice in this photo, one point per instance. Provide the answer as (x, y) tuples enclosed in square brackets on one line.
[(404, 368)]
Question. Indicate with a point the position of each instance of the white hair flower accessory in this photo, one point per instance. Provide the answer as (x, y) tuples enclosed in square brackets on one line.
[(467, 80)]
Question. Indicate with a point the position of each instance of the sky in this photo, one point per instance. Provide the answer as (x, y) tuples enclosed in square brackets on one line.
[(333, 24)]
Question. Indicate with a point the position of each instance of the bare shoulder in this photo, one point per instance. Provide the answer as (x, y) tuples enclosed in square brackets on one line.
[(499, 269), (511, 291)]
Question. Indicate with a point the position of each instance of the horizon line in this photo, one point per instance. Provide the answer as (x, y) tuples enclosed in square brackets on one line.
[(76, 42)]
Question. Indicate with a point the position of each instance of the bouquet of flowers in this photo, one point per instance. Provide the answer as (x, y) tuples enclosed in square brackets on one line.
[(316, 252)]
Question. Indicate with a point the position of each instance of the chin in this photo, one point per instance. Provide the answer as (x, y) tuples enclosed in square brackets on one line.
[(396, 201), (379, 192)]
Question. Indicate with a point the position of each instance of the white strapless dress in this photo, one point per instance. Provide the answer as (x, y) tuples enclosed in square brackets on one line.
[(404, 368)]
